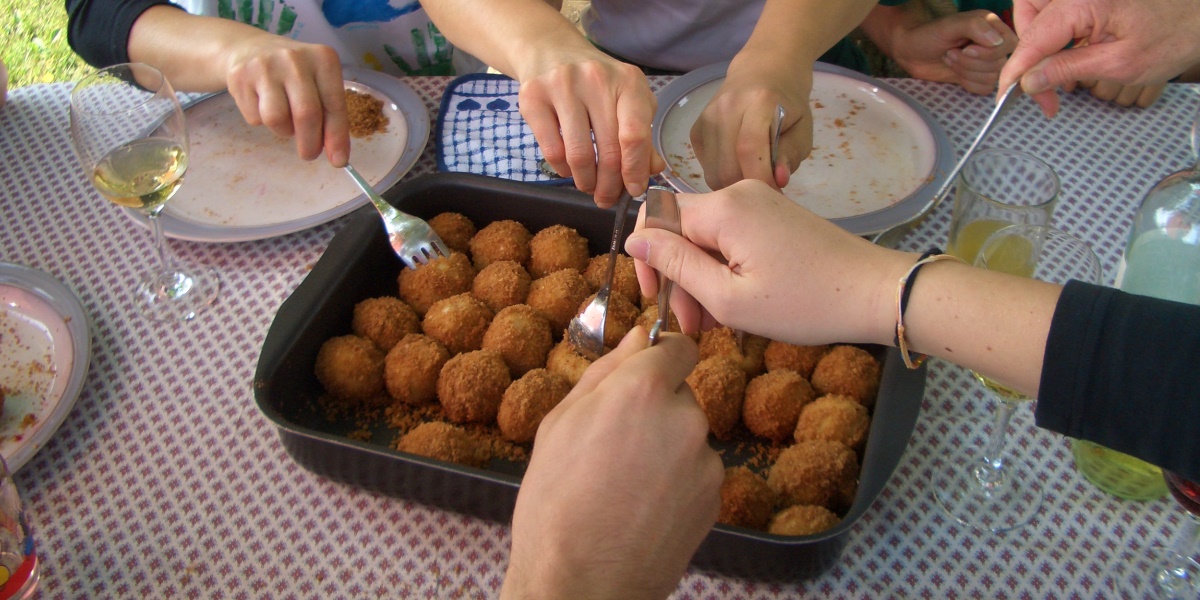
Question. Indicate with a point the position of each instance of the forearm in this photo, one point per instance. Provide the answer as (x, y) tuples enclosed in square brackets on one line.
[(200, 65), (990, 322), (791, 32), (884, 24), (509, 35)]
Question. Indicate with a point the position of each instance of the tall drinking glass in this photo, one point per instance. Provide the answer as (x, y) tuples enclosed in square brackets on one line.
[(128, 131), (999, 187), (19, 567), (986, 489)]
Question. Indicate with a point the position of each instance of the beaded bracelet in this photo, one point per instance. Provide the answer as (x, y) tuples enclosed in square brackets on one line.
[(903, 291)]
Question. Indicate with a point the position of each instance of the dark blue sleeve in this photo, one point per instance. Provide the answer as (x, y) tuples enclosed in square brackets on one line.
[(98, 30), (1123, 371)]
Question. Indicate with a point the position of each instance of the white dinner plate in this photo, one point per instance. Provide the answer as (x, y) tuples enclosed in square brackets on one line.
[(44, 357), (245, 183), (878, 155)]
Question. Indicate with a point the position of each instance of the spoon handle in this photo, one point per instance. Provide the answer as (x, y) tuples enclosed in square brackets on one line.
[(662, 211)]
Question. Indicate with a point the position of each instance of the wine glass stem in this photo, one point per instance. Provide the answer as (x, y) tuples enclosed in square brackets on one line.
[(1187, 540), (992, 469), (160, 243)]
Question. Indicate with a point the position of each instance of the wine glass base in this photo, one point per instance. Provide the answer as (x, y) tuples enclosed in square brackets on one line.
[(178, 295), (1007, 503), (1156, 573)]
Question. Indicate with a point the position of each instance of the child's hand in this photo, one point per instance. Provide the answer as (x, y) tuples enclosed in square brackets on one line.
[(966, 48)]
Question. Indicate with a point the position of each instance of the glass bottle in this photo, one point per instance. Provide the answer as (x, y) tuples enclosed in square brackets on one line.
[(1162, 259)]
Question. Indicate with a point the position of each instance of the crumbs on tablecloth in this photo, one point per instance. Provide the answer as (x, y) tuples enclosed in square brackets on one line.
[(366, 114)]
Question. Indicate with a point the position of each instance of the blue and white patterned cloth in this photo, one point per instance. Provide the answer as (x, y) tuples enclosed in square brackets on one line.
[(480, 130)]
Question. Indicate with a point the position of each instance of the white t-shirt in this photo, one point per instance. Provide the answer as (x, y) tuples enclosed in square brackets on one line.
[(677, 35), (393, 36)]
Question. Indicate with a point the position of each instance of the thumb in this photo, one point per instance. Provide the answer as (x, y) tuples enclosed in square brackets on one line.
[(692, 267)]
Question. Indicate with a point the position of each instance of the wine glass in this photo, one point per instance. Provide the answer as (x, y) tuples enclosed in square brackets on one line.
[(985, 489), (128, 131), (1160, 572)]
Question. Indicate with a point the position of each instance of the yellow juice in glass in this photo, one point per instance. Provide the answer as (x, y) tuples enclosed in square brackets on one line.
[(971, 237)]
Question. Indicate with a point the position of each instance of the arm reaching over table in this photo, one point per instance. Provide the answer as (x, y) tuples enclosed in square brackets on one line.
[(590, 112), (622, 486), (1131, 42), (294, 88), (1105, 365), (732, 137)]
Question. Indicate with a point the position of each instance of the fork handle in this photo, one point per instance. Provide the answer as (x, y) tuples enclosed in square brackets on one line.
[(662, 212)]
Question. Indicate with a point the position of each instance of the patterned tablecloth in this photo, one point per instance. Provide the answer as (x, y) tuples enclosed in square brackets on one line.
[(165, 481)]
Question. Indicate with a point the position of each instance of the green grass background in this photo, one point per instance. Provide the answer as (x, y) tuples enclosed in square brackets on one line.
[(33, 43)]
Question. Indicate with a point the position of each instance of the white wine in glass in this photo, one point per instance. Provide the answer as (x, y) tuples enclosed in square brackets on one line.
[(986, 489), (128, 130)]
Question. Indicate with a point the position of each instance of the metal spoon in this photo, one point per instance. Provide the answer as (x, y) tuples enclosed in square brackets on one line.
[(586, 331), (662, 211), (891, 237)]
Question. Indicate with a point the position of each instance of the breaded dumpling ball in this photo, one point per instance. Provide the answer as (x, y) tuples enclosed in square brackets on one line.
[(384, 320), (350, 367), (849, 371), (837, 418), (455, 229), (566, 361), (522, 336), (817, 472), (649, 316), (723, 341), (502, 283), (720, 341), (411, 368), (624, 282), (557, 247), (443, 441), (773, 403), (620, 318), (746, 499), (719, 385), (458, 322), (557, 296), (500, 240), (527, 401), (802, 519), (471, 386), (801, 359), (440, 278)]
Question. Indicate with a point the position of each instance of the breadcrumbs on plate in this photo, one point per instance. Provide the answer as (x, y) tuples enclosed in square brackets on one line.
[(365, 113)]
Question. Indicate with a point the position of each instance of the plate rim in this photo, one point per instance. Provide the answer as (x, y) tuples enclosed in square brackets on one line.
[(863, 224), (417, 117), (65, 302)]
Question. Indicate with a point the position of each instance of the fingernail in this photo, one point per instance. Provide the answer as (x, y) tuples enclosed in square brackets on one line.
[(1034, 82), (637, 247), (950, 57), (972, 51), (994, 38)]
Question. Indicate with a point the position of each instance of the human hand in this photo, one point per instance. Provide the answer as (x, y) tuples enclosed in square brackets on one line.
[(1132, 42), (967, 48), (1141, 96), (754, 260), (572, 98), (622, 486), (293, 88), (732, 137)]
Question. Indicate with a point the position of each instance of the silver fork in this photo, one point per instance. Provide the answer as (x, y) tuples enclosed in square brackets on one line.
[(890, 238), (413, 240)]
